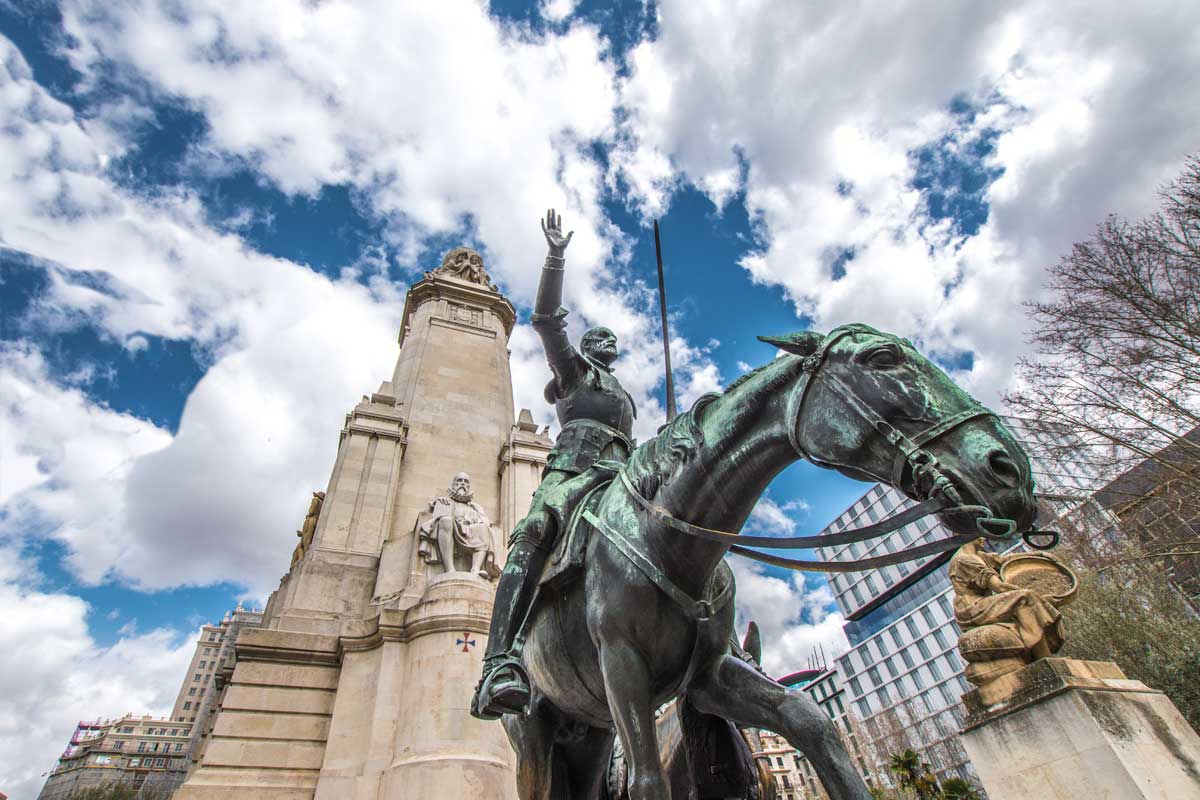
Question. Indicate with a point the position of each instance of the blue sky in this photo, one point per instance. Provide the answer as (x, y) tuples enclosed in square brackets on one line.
[(209, 214)]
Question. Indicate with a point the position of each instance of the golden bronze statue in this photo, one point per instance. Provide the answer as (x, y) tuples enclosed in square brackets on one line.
[(308, 529), (1007, 607)]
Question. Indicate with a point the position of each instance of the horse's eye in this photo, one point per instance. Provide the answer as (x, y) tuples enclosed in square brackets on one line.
[(884, 357)]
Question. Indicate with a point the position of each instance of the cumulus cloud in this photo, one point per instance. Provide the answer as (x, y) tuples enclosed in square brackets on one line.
[(52, 673), (774, 518), (796, 619), (853, 124)]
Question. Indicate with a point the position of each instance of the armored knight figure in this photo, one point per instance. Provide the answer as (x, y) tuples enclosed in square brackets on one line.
[(596, 415), (455, 523)]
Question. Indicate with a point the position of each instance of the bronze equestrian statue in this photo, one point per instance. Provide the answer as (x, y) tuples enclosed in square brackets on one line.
[(648, 617)]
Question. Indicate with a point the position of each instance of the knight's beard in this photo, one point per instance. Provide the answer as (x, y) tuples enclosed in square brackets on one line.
[(461, 495)]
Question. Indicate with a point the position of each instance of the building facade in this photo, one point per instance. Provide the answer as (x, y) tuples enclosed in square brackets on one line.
[(903, 674), (148, 753), (145, 753), (795, 778)]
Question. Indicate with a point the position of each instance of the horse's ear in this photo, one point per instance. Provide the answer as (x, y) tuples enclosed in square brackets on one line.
[(752, 644), (801, 343)]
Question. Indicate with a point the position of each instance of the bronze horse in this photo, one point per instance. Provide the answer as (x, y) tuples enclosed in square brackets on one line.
[(650, 617)]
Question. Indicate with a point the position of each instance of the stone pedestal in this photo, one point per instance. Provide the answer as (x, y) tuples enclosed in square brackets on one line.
[(1061, 729)]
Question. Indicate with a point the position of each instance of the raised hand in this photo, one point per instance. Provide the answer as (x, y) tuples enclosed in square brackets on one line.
[(552, 230)]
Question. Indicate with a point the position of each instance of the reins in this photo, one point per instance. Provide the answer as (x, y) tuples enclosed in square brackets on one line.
[(910, 454)]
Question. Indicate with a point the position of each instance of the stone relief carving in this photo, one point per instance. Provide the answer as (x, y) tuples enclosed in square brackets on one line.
[(471, 316), (465, 264), (1007, 606), (455, 526), (309, 528)]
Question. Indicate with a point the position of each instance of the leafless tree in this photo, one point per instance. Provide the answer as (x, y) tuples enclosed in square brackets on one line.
[(1117, 345)]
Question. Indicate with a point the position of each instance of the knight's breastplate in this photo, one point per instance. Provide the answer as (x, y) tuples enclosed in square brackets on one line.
[(597, 422), (601, 399)]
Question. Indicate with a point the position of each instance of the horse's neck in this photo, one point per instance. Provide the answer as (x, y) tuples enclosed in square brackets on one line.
[(745, 445)]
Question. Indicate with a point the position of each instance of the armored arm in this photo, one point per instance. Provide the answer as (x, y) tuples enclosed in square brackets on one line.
[(549, 317)]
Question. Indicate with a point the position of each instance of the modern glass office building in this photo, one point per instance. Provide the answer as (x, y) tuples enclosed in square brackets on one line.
[(903, 676)]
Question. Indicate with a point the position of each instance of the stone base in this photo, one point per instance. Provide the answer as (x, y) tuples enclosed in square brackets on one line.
[(1061, 729)]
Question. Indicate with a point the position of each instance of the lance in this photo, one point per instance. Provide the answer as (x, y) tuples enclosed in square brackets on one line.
[(662, 307)]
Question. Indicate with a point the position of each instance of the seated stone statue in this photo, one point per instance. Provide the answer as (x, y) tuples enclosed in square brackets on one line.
[(456, 524), (1004, 626)]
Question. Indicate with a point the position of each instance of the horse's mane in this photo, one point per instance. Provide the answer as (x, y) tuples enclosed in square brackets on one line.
[(657, 459)]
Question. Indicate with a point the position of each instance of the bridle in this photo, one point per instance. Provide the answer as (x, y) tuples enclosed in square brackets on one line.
[(910, 455)]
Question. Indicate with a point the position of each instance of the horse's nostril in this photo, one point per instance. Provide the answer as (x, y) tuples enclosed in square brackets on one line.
[(1004, 469)]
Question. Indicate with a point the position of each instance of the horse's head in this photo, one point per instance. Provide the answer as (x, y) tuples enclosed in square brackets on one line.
[(875, 409)]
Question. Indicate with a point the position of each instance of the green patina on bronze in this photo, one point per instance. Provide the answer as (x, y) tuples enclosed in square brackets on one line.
[(633, 630)]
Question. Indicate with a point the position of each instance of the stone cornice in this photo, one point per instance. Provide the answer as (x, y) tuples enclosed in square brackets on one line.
[(287, 647), (441, 287)]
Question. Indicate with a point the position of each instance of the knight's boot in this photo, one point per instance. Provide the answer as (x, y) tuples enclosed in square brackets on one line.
[(504, 686)]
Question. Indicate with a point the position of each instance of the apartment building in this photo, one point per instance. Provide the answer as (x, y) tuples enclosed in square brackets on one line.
[(143, 752), (148, 753)]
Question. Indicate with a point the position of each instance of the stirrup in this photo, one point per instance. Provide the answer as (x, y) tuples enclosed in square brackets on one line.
[(503, 702)]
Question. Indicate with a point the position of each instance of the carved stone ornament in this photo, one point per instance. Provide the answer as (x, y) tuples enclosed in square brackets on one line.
[(309, 528), (455, 531), (465, 264), (1007, 607)]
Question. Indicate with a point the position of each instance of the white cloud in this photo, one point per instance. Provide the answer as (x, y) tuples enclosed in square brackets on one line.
[(773, 518), (796, 620), (52, 674), (291, 350), (557, 10), (822, 112)]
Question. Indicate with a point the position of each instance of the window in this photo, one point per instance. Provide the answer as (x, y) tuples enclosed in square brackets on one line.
[(203, 664), (196, 677), (119, 745), (212, 637), (159, 762), (896, 640), (873, 674), (779, 761), (947, 609), (891, 667), (103, 759), (192, 692), (885, 698), (935, 670), (141, 747), (855, 687), (154, 749), (174, 731), (126, 730), (187, 705), (786, 783), (939, 636), (908, 661), (202, 692), (178, 747), (916, 679), (927, 613), (912, 626), (133, 762), (857, 594)]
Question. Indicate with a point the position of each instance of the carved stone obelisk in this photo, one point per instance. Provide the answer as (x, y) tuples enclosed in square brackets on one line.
[(357, 686)]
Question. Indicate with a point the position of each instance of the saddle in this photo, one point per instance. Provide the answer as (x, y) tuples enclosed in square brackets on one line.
[(566, 505)]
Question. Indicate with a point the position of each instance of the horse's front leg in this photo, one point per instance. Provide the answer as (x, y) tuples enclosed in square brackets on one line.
[(732, 689), (627, 685)]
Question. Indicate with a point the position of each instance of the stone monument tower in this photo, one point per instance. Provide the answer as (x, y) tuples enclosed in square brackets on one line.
[(357, 685)]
